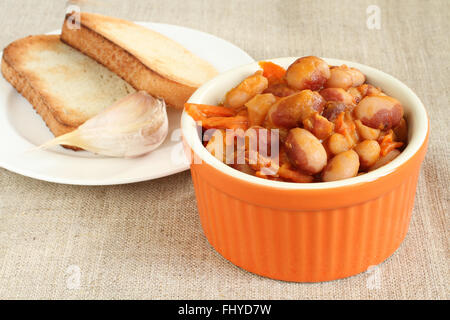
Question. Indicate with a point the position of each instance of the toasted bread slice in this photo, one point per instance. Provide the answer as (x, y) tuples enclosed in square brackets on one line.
[(64, 86), (144, 58)]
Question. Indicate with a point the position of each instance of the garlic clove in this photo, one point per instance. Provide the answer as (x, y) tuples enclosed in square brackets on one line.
[(131, 127)]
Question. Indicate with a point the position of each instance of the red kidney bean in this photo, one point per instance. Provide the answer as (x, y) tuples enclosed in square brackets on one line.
[(379, 112), (337, 94), (307, 73), (247, 89), (339, 78), (305, 151), (280, 90), (358, 78), (366, 132), (290, 111), (344, 165), (333, 108), (338, 143), (368, 152)]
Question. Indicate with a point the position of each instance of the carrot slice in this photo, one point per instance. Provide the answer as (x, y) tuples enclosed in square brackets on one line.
[(216, 117), (210, 110), (259, 174), (292, 175), (387, 143), (236, 122), (346, 127), (389, 147), (273, 72), (194, 112)]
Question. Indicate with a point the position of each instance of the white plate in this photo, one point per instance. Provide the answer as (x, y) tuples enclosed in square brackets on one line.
[(21, 129)]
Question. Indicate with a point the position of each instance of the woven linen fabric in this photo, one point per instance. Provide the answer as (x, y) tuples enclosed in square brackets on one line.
[(145, 241)]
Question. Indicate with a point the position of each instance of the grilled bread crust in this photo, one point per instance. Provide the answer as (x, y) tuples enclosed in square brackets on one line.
[(95, 39), (28, 86), (65, 87)]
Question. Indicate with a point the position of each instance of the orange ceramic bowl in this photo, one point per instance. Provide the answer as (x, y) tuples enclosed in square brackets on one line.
[(312, 231)]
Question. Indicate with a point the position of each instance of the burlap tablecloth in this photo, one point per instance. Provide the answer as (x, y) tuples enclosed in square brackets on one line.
[(144, 240)]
